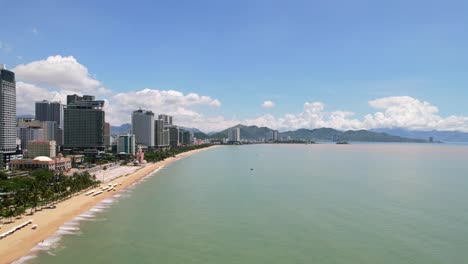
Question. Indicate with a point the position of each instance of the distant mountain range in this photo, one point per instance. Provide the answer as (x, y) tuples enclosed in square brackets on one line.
[(327, 134), (320, 134), (247, 132), (122, 129), (444, 136)]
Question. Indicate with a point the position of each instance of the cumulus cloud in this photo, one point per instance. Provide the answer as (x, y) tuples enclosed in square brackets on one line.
[(58, 76), (268, 104), (312, 116), (160, 101), (411, 113), (392, 112), (60, 73)]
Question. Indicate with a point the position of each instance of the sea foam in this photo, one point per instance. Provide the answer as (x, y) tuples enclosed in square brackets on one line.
[(72, 227)]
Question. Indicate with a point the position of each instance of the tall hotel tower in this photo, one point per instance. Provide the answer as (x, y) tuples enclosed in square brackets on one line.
[(50, 111), (7, 113), (84, 120), (143, 127)]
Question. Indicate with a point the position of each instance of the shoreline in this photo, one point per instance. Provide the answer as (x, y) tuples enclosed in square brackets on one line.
[(49, 221)]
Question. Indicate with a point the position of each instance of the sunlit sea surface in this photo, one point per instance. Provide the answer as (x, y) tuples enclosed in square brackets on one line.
[(359, 203)]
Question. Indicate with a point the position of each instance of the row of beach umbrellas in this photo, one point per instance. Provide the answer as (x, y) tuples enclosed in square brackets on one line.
[(16, 228)]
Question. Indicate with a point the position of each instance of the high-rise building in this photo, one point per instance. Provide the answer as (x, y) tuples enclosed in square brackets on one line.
[(167, 119), (7, 113), (166, 138), (29, 129), (186, 137), (126, 144), (159, 133), (234, 134), (83, 124), (50, 111), (107, 138), (274, 135), (26, 134), (49, 127), (28, 122), (38, 148), (173, 136), (143, 127), (59, 136)]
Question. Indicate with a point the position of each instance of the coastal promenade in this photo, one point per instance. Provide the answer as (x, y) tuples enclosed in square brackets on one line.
[(49, 220)]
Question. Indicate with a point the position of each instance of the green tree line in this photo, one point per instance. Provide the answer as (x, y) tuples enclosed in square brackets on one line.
[(40, 189), (154, 156)]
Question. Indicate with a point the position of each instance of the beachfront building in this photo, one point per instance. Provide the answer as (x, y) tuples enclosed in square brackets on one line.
[(162, 136), (143, 127), (126, 144), (84, 123), (50, 111), (107, 135), (186, 137), (234, 134), (167, 119), (174, 140), (57, 164), (7, 114), (36, 148), (274, 135)]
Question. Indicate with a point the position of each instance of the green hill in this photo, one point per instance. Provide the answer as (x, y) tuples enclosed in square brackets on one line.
[(320, 134), (247, 132), (328, 134)]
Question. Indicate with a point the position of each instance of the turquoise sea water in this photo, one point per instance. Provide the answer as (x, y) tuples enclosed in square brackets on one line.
[(359, 204)]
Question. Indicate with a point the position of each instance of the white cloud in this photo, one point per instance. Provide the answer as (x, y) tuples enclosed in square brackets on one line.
[(160, 101), (57, 76), (268, 104), (60, 73), (312, 116), (399, 111), (411, 113)]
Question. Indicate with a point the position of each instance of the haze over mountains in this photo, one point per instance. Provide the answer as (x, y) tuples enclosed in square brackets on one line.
[(326, 134), (320, 134), (444, 136)]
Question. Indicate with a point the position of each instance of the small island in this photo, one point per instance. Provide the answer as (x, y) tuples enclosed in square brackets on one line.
[(342, 143)]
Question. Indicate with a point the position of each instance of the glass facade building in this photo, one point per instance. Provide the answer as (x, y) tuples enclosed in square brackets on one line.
[(7, 111), (84, 120)]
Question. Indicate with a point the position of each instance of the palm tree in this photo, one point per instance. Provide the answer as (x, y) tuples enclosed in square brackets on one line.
[(104, 171)]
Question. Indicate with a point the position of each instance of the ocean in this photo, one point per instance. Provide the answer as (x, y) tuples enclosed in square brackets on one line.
[(350, 204)]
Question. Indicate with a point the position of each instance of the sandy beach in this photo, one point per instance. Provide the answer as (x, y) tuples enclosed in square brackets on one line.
[(50, 220)]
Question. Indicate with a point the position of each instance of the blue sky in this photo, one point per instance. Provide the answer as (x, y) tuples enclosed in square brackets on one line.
[(342, 54)]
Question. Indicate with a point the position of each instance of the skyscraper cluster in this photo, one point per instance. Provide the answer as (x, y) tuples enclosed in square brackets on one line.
[(157, 132), (77, 126)]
